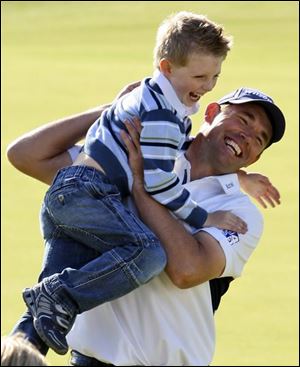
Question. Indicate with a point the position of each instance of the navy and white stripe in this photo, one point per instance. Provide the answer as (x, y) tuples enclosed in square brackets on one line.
[(166, 129)]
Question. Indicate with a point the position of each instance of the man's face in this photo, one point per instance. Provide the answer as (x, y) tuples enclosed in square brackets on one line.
[(237, 136), (196, 78)]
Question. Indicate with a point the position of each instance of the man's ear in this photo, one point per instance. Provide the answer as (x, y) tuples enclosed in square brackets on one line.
[(212, 110), (165, 67)]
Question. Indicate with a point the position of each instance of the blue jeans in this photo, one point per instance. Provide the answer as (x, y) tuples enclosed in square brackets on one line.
[(79, 256), (82, 205), (96, 250)]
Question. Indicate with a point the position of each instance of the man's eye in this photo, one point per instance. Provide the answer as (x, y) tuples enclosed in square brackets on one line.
[(259, 141), (244, 121)]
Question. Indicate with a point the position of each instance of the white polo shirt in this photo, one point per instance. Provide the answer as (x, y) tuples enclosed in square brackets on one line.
[(159, 324)]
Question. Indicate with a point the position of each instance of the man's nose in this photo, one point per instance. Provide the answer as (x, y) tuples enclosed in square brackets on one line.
[(246, 136)]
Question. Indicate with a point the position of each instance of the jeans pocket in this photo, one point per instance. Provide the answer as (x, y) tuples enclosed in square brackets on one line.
[(60, 194)]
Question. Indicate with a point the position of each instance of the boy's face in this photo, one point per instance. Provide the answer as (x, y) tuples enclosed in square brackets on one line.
[(196, 78)]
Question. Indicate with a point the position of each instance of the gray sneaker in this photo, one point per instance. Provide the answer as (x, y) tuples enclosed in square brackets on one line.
[(51, 321)]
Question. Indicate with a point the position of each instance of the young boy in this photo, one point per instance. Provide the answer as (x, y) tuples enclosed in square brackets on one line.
[(84, 205)]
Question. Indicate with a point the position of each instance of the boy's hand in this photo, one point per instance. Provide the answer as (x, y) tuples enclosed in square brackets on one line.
[(226, 220), (260, 188)]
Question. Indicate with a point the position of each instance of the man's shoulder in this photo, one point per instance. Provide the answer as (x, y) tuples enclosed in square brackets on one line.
[(224, 193), (244, 207)]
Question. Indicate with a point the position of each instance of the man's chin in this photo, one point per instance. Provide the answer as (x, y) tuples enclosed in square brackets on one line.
[(227, 169)]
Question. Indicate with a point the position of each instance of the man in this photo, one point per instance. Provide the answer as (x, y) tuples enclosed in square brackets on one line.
[(169, 321)]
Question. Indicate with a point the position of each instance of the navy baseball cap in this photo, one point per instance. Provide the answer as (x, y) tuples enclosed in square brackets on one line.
[(246, 95)]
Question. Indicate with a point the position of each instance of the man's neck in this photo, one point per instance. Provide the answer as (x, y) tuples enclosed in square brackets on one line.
[(200, 159), (202, 171)]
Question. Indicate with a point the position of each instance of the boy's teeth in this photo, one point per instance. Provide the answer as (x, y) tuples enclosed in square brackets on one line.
[(194, 96)]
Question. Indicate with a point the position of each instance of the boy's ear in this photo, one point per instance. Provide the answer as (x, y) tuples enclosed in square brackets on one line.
[(212, 110), (165, 67)]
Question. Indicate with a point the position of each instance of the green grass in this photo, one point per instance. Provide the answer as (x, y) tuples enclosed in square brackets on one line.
[(59, 58)]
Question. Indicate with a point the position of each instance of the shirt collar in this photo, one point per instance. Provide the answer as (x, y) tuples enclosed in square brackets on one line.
[(182, 167), (215, 185), (171, 96), (229, 182)]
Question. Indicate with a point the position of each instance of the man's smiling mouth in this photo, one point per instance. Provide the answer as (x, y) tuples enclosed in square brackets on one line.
[(233, 146)]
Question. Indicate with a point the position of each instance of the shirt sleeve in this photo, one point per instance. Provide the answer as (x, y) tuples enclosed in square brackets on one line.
[(238, 247), (162, 136)]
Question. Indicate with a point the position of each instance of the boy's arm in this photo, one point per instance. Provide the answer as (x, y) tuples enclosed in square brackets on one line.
[(161, 138), (43, 151)]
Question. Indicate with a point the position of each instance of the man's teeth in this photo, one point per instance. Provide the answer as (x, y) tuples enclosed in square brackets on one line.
[(233, 146)]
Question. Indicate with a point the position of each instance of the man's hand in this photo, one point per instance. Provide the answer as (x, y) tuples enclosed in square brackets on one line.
[(132, 142), (128, 88)]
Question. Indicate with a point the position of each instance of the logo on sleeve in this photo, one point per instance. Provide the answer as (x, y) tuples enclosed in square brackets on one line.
[(231, 236)]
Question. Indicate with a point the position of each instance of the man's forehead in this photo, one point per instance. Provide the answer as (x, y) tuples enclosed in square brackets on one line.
[(253, 106), (256, 110)]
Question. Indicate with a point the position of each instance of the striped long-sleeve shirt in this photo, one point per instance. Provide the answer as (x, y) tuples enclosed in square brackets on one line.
[(165, 132)]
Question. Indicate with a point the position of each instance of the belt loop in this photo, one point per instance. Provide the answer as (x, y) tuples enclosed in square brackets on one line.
[(79, 171)]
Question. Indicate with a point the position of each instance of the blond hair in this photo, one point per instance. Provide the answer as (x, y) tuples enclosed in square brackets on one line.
[(184, 33), (16, 350)]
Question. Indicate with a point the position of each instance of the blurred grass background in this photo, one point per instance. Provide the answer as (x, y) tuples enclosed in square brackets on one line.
[(59, 58)]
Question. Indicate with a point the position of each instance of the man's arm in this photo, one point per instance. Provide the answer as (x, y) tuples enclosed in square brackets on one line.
[(191, 260), (43, 151)]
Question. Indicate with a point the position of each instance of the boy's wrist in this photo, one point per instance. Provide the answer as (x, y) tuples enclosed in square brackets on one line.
[(241, 175)]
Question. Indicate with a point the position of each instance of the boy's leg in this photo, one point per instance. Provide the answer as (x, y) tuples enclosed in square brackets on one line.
[(86, 207), (55, 245)]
